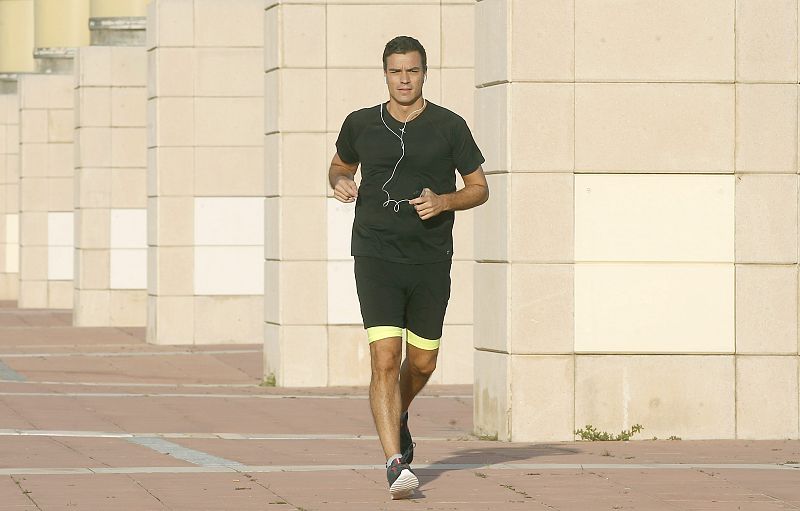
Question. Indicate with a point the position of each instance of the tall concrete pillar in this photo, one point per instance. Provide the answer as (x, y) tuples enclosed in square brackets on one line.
[(118, 8), (16, 56), (60, 26), (118, 22), (46, 169), (46, 157), (205, 171), (638, 257), (766, 220), (16, 36), (524, 362), (9, 190), (314, 78), (111, 169)]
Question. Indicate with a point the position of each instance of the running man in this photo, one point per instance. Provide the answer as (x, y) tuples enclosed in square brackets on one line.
[(402, 242)]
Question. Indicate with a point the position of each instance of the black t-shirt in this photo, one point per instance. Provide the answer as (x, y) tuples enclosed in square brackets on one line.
[(437, 142)]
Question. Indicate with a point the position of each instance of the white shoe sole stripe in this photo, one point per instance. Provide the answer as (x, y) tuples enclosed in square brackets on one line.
[(405, 485)]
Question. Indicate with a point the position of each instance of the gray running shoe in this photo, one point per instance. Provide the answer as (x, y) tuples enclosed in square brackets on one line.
[(406, 443), (402, 481)]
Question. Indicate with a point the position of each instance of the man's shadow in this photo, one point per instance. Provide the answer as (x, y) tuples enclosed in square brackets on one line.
[(467, 459)]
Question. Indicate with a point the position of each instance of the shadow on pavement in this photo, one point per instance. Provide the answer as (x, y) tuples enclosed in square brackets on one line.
[(492, 455)]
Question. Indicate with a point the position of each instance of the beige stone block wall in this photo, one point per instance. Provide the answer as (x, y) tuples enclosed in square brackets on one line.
[(111, 184), (205, 177), (492, 412), (641, 236), (766, 397), (46, 191), (9, 195), (688, 396), (315, 75)]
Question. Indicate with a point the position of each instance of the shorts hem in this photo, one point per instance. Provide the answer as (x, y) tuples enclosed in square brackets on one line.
[(421, 342), (376, 333)]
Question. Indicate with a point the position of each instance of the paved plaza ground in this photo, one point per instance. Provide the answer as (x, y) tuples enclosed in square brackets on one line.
[(94, 419)]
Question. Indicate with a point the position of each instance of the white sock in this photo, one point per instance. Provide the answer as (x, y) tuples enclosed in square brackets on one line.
[(392, 458)]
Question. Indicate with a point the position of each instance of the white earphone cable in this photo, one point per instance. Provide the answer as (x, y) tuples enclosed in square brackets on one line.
[(396, 203)]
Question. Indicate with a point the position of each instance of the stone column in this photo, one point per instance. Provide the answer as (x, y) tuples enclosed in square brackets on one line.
[(46, 155), (524, 362), (642, 234), (46, 191), (205, 171), (118, 8), (16, 56), (315, 76), (766, 211), (16, 36), (111, 169), (9, 190), (60, 26)]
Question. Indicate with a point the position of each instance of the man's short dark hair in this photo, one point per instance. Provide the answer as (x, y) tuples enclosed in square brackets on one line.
[(405, 44)]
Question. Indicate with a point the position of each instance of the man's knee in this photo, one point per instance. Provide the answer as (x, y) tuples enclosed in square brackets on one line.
[(423, 366), (385, 357)]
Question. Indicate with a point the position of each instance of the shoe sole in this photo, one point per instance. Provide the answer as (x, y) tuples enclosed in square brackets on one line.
[(404, 485)]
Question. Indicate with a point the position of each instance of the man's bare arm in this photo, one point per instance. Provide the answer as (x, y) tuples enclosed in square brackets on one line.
[(474, 193), (340, 176)]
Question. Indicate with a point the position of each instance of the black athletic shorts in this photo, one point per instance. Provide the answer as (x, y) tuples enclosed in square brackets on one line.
[(397, 296)]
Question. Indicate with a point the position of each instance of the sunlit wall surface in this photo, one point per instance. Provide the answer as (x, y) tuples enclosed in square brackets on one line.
[(638, 259)]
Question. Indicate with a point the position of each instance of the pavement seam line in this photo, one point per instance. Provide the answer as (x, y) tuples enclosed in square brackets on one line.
[(126, 354), (225, 396), (236, 467), (25, 492), (142, 486), (718, 476), (203, 436)]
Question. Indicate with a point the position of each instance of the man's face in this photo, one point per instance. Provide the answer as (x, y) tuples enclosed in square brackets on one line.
[(404, 77)]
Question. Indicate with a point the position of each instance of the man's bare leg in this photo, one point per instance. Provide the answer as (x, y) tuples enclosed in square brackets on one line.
[(384, 392), (415, 372)]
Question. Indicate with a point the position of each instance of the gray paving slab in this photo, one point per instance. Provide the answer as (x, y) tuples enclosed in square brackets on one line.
[(7, 373)]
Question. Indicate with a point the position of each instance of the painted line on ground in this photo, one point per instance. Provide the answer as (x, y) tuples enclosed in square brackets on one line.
[(126, 354), (135, 384), (15, 311), (6, 373), (184, 453), (204, 436), (433, 467), (219, 396)]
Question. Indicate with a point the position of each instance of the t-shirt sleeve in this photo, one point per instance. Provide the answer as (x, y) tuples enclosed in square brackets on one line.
[(345, 144), (466, 154)]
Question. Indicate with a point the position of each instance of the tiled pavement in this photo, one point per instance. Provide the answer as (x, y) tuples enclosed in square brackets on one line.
[(95, 419)]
